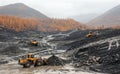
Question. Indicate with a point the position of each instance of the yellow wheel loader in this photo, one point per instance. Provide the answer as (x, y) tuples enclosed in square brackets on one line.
[(29, 60)]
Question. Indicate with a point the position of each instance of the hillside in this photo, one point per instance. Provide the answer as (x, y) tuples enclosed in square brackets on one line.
[(20, 17), (23, 24), (21, 10), (109, 18)]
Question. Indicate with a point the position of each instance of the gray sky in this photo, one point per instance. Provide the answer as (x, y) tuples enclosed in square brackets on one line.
[(66, 8)]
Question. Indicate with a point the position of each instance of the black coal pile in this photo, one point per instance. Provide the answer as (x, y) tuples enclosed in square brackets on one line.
[(100, 56), (82, 40), (55, 61), (109, 63), (108, 60)]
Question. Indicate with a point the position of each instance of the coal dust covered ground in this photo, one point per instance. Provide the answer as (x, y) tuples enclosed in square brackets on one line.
[(68, 52), (14, 44), (100, 53)]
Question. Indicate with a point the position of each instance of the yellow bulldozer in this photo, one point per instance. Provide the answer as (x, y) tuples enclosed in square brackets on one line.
[(34, 42), (29, 60), (91, 34)]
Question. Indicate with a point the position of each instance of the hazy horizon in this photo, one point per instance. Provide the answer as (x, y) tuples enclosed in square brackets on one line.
[(67, 8)]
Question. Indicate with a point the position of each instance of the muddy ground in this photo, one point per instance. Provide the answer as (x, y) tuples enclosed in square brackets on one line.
[(14, 68), (94, 55)]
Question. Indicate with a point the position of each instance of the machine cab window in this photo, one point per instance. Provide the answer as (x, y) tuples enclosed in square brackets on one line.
[(30, 56)]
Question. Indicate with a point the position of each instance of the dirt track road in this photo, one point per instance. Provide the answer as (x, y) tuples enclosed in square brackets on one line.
[(14, 68)]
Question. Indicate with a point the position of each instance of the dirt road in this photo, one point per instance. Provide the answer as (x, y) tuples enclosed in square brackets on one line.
[(14, 68)]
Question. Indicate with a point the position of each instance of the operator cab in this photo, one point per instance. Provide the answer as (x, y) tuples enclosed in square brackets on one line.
[(30, 55)]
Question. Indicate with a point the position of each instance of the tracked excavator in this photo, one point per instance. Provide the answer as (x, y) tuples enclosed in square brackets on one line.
[(30, 59)]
